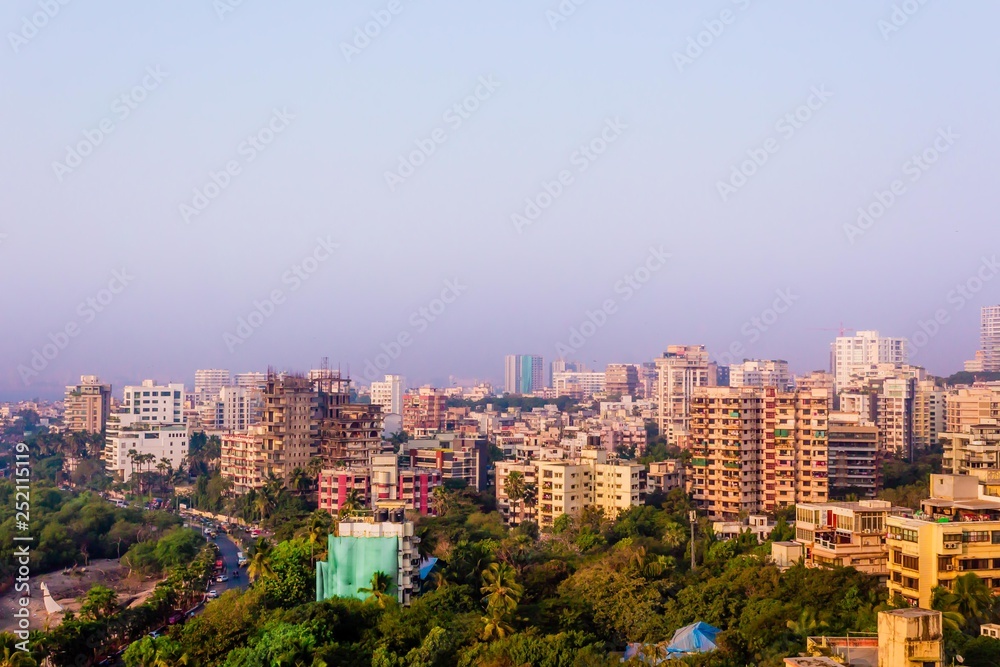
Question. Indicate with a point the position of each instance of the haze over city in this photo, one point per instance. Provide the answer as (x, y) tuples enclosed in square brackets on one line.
[(192, 160)]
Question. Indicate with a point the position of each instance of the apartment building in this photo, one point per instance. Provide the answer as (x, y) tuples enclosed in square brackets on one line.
[(566, 487), (929, 414), (250, 380), (760, 373), (579, 385), (851, 354), (523, 374), (87, 406), (665, 476), (424, 411), (990, 338), (974, 452), (977, 364), (242, 461), (819, 380), (232, 409), (289, 428), (620, 379), (515, 512), (456, 456), (957, 532), (382, 484), (149, 422), (208, 382), (756, 450), (681, 370), (968, 406), (388, 394), (854, 456), (845, 534)]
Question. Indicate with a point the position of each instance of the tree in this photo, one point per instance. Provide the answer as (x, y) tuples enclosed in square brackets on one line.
[(99, 602), (500, 589), (259, 564), (514, 486), (966, 605), (352, 503), (378, 588)]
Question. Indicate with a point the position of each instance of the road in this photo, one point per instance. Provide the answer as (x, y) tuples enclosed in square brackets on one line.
[(228, 551)]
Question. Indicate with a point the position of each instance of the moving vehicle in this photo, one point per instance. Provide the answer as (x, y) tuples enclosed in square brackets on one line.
[(222, 577), (212, 594)]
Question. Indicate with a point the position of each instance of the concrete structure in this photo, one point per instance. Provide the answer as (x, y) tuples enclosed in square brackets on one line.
[(756, 450), (845, 534), (786, 554), (819, 380), (910, 638), (383, 484), (523, 374), (424, 411), (968, 406), (289, 429), (388, 394), (348, 567), (758, 525), (929, 414), (242, 461), (579, 385), (681, 370), (515, 512), (566, 487), (990, 630), (977, 364), (150, 402), (456, 456), (620, 379), (760, 373), (812, 661), (850, 354), (665, 476), (990, 338), (87, 406), (149, 421), (250, 380), (232, 409), (957, 532), (854, 457), (208, 382), (975, 452)]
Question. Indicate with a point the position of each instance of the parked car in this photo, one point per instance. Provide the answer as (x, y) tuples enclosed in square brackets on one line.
[(212, 594), (222, 577), (175, 618)]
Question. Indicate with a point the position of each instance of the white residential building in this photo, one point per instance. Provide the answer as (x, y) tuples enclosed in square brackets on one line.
[(208, 382), (760, 373), (990, 338), (388, 394), (850, 354), (233, 409), (150, 421), (578, 385)]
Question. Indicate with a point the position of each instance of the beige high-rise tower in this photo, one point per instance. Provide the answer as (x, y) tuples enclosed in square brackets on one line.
[(681, 370), (87, 405)]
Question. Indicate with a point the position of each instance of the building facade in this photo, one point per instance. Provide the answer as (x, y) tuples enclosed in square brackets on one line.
[(845, 534), (87, 406), (681, 370), (850, 354), (760, 373), (208, 382), (388, 394), (854, 458), (990, 338), (523, 374), (620, 379)]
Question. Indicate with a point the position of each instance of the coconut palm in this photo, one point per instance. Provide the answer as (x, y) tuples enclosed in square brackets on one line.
[(99, 602), (319, 529), (300, 481), (495, 626), (500, 589), (514, 486), (260, 560), (378, 588), (352, 503), (13, 657)]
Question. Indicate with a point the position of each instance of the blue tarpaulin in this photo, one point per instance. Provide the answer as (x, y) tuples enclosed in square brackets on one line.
[(695, 638)]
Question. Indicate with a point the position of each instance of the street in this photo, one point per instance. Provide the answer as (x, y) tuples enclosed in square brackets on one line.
[(228, 551)]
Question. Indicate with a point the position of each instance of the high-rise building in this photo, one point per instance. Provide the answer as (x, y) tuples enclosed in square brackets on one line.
[(853, 456), (990, 338), (208, 382), (578, 385), (242, 461), (87, 406), (424, 411), (975, 452), (757, 449), (968, 406), (389, 394), (523, 374), (233, 409), (289, 437), (251, 380), (681, 370), (818, 380), (620, 379), (149, 423), (849, 354), (760, 373), (563, 366), (929, 416), (566, 487)]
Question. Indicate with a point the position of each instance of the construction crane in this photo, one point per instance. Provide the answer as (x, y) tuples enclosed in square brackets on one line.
[(841, 330)]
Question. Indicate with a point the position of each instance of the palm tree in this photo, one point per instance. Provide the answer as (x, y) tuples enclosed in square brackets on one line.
[(263, 504), (441, 500), (132, 455), (965, 605), (514, 486), (495, 626), (807, 624), (378, 588), (500, 589), (320, 525), (352, 503), (300, 482), (260, 560), (98, 603), (13, 657)]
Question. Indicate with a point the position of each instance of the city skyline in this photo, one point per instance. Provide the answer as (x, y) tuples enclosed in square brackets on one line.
[(220, 196)]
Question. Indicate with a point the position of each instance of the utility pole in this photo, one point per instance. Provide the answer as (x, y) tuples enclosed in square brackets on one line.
[(693, 516)]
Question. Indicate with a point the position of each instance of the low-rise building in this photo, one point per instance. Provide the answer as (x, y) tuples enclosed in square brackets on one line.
[(665, 476), (760, 526), (845, 534)]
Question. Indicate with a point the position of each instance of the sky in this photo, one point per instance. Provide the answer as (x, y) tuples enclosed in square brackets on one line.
[(248, 184)]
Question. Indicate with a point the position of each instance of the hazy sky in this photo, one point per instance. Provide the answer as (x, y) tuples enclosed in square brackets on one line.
[(309, 117)]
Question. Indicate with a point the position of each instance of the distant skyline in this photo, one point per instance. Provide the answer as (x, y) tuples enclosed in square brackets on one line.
[(189, 187)]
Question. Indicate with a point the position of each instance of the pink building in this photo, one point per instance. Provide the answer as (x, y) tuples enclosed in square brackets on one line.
[(382, 482)]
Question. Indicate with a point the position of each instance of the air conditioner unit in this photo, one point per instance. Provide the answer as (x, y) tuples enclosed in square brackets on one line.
[(949, 568)]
